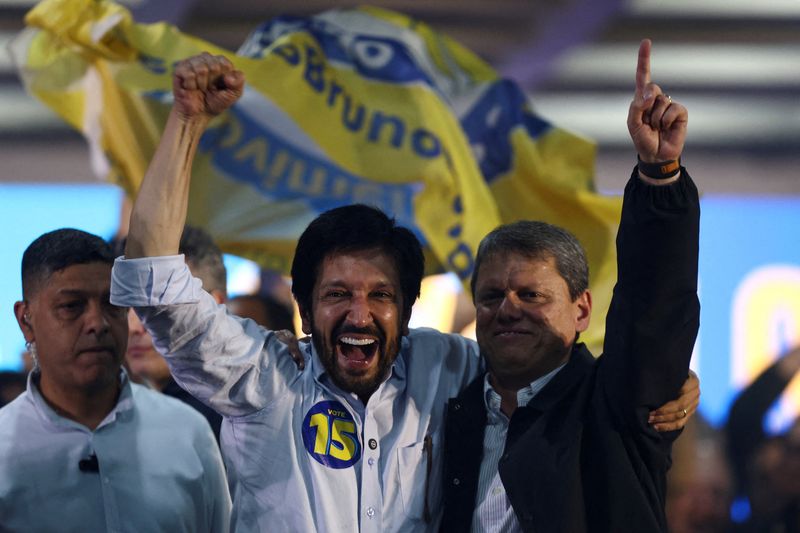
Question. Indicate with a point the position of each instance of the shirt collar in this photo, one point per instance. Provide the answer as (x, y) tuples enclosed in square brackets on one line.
[(124, 403), (524, 395)]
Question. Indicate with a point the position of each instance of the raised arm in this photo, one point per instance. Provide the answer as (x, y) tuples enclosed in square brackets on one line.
[(230, 364), (652, 322), (203, 86)]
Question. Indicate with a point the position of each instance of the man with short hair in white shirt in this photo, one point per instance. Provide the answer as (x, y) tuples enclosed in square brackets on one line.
[(84, 449)]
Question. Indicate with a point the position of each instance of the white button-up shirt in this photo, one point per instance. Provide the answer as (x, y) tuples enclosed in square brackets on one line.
[(302, 454), (158, 468)]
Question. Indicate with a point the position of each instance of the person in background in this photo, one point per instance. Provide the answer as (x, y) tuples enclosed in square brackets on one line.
[(767, 468), (700, 485), (12, 384), (83, 448), (265, 310)]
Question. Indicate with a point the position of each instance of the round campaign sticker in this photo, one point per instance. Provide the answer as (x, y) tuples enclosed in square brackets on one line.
[(329, 435)]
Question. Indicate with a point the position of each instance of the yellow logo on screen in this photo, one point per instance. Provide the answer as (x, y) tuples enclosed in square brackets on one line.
[(765, 322)]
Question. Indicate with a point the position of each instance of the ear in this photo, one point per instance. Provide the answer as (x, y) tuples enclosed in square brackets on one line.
[(583, 311), (22, 312)]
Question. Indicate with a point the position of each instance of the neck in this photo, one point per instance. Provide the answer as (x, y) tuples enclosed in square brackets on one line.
[(87, 407), (507, 393), (364, 398), (160, 384), (508, 381)]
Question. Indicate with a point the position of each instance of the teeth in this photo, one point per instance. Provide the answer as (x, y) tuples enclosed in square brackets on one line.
[(356, 342)]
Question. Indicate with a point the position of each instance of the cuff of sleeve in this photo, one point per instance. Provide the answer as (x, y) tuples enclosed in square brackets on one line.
[(151, 281)]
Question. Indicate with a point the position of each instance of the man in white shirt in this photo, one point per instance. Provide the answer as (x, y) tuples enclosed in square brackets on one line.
[(84, 449)]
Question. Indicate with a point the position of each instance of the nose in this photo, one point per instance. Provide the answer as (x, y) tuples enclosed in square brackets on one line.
[(359, 313), (509, 308), (96, 320)]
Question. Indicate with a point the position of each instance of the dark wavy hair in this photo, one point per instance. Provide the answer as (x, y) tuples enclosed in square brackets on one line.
[(354, 228)]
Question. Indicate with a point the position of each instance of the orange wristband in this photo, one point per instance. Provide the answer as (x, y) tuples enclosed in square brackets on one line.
[(660, 171)]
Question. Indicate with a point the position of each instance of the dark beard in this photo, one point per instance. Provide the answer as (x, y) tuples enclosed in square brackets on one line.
[(363, 387)]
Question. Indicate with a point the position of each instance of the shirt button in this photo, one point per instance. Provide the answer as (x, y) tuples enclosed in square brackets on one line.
[(370, 461), (370, 512), (373, 444), (106, 480), (456, 481)]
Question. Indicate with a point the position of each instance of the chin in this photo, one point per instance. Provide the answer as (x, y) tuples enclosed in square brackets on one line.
[(355, 379), (361, 384), (100, 378)]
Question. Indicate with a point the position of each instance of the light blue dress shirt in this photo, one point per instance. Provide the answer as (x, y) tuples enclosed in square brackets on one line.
[(303, 455), (493, 512), (159, 468)]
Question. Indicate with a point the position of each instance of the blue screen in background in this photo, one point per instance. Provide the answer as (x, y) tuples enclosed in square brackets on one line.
[(750, 297)]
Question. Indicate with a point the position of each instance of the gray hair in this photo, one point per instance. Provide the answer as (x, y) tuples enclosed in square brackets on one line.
[(538, 240)]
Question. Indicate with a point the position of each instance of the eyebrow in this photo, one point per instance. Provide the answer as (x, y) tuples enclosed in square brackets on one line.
[(83, 293), (342, 283)]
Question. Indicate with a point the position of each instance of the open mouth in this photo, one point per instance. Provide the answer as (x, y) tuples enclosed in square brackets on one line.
[(355, 352)]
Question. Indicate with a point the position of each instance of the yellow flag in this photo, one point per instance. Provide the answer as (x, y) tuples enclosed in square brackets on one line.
[(361, 105)]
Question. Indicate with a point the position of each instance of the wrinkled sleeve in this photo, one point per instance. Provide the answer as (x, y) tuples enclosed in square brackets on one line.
[(653, 320), (231, 364)]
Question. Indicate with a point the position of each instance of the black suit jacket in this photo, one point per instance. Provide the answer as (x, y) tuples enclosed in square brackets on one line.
[(581, 455)]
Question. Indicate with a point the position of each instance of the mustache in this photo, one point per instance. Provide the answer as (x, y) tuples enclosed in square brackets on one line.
[(373, 331)]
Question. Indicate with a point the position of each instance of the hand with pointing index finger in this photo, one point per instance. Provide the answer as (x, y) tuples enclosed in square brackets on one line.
[(657, 125)]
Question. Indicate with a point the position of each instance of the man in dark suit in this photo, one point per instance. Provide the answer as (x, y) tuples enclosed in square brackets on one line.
[(552, 439)]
